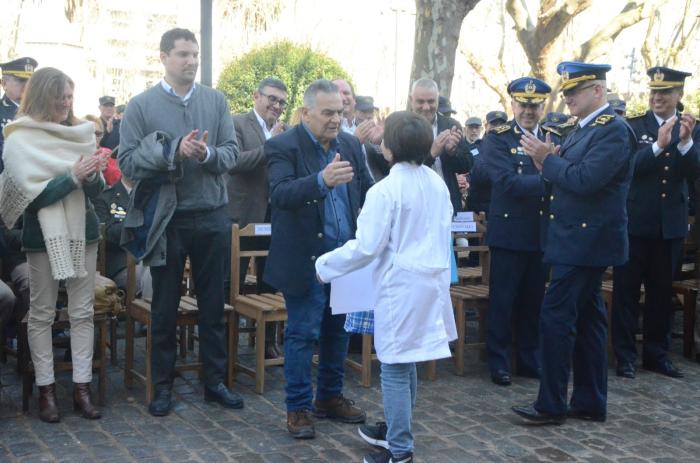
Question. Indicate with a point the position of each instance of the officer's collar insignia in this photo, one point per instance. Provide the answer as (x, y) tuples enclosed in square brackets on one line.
[(516, 129), (548, 128), (530, 87), (658, 76), (501, 128), (603, 119)]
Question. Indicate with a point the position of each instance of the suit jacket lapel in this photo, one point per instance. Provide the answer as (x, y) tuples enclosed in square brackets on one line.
[(308, 151), (255, 125)]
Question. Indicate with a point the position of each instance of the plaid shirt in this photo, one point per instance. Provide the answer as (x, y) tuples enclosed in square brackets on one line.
[(360, 322)]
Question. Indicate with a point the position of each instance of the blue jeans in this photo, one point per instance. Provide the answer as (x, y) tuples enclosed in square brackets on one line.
[(309, 321), (399, 383)]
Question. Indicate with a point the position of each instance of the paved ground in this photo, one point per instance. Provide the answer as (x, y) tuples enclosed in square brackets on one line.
[(458, 419)]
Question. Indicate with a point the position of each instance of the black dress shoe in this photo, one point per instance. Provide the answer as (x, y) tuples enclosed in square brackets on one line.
[(583, 415), (626, 370), (531, 414), (220, 393), (665, 367), (161, 403), (501, 377)]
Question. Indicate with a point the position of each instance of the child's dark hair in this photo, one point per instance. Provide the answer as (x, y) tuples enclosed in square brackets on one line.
[(408, 136)]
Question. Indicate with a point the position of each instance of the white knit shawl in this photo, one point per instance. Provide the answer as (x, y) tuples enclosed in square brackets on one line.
[(34, 153)]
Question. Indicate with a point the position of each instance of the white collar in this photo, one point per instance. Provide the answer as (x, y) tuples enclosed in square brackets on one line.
[(535, 131), (169, 89), (583, 122), (263, 125), (659, 119)]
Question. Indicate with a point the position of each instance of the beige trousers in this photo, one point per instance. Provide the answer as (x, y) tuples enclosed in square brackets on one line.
[(43, 291)]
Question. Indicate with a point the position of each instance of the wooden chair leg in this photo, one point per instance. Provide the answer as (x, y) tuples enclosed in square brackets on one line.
[(432, 370), (260, 355), (233, 360), (460, 319), (366, 372), (102, 372), (113, 322), (129, 352), (689, 303)]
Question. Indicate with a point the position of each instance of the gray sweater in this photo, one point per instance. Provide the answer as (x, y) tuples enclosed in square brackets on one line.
[(199, 185)]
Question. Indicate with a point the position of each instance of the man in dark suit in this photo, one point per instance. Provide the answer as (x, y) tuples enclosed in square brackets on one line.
[(318, 181), (479, 195), (587, 232), (449, 154), (658, 223), (517, 278), (15, 75), (247, 184)]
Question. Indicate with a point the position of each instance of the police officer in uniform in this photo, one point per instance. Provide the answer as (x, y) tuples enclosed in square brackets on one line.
[(14, 78), (111, 207), (517, 279), (590, 174), (658, 223)]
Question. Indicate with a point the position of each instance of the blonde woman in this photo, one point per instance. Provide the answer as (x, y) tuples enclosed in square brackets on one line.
[(51, 171)]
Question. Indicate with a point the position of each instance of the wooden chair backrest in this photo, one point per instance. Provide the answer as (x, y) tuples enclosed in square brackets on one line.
[(481, 248), (250, 230)]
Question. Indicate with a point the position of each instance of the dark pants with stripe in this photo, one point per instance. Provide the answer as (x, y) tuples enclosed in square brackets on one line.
[(516, 289), (573, 327), (652, 262)]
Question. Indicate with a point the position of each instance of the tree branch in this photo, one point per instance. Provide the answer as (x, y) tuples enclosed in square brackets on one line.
[(489, 76)]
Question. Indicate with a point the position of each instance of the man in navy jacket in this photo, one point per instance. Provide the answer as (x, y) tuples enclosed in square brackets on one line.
[(658, 223), (318, 181), (516, 222), (587, 232)]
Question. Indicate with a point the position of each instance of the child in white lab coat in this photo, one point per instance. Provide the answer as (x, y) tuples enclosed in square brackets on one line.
[(405, 225)]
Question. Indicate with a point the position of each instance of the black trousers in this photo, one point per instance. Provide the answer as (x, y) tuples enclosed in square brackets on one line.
[(652, 262), (202, 236)]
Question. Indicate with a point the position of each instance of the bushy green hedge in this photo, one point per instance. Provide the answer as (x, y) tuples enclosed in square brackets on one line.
[(295, 65)]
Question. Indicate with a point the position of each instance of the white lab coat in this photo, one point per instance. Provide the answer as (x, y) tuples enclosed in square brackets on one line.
[(405, 224)]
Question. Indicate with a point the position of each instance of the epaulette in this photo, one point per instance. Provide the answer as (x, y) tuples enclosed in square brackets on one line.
[(603, 119), (635, 116), (501, 129), (554, 130)]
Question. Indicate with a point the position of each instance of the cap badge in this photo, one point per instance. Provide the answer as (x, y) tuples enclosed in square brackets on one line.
[(658, 76), (565, 76), (530, 87)]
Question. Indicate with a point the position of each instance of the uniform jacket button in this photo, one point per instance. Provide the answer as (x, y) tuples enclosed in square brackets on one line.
[(541, 212), (663, 195), (584, 225), (315, 201), (505, 216), (665, 167), (667, 154), (551, 216), (664, 181), (551, 197), (320, 235), (313, 258)]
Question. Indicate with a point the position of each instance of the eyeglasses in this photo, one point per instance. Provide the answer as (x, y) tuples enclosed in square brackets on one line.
[(274, 100), (576, 90)]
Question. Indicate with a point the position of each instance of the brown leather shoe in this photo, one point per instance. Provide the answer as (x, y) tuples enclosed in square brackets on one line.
[(48, 411), (82, 402), (300, 425), (339, 408)]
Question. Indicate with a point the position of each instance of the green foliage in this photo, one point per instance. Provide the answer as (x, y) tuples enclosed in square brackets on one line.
[(295, 65)]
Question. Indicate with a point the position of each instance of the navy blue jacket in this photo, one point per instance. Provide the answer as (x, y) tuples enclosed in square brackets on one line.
[(590, 181), (8, 111), (658, 199), (297, 204), (518, 204), (452, 164), (479, 198)]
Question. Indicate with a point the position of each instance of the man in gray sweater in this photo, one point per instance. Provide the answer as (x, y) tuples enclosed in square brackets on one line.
[(179, 134)]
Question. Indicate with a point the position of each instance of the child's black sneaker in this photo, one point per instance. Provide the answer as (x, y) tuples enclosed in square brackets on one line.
[(385, 456), (374, 435)]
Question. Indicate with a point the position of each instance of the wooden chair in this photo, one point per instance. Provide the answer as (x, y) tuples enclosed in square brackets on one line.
[(471, 296), (139, 310), (260, 308), (115, 315)]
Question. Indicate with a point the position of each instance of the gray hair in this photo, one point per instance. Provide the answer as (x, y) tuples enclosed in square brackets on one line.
[(425, 82), (271, 82), (316, 87)]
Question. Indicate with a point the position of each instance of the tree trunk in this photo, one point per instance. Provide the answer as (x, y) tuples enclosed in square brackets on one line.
[(438, 24)]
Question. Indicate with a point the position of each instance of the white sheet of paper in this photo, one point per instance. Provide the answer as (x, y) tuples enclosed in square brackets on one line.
[(463, 226), (354, 292), (263, 229), (464, 216)]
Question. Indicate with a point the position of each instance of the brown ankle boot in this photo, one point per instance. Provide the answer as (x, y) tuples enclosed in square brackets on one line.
[(82, 402), (48, 411)]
